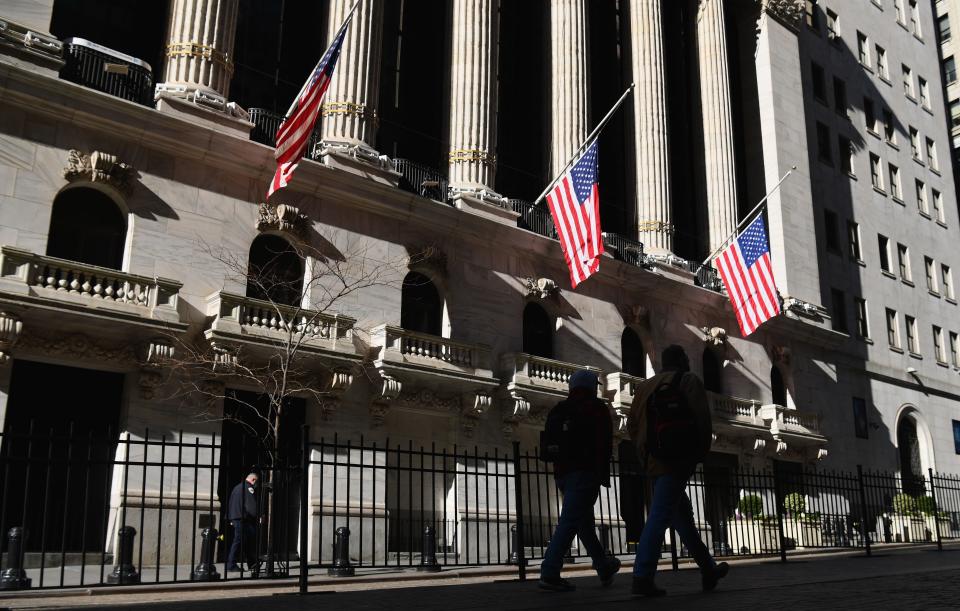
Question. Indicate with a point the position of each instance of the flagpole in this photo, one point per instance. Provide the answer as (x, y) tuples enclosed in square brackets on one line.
[(749, 217), (296, 99), (589, 139)]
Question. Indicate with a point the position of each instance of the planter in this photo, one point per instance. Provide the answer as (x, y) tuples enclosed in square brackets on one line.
[(750, 536), (802, 533), (908, 529), (931, 525)]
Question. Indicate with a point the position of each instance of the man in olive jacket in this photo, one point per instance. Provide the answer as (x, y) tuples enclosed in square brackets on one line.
[(667, 480)]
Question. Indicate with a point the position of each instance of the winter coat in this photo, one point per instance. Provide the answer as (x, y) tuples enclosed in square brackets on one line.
[(243, 502)]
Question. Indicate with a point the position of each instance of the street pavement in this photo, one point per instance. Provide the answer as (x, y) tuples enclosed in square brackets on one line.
[(891, 579)]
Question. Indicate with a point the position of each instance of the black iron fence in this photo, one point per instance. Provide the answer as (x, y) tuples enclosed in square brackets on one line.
[(534, 218), (106, 70), (265, 126), (82, 508), (422, 180)]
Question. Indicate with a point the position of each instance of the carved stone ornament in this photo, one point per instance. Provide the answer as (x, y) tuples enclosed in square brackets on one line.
[(429, 400), (78, 347), (787, 12), (715, 336), (378, 413), (211, 392), (149, 381), (541, 288), (10, 329), (100, 167), (780, 355), (225, 357), (157, 352), (759, 445), (781, 447), (282, 217), (638, 315), (519, 408), (822, 453), (427, 255)]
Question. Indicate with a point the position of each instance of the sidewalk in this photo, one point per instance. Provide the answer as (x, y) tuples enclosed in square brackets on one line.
[(919, 578)]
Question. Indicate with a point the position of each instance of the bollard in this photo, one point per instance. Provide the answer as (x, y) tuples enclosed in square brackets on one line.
[(14, 577), (124, 571), (513, 558), (206, 570), (341, 554), (428, 558)]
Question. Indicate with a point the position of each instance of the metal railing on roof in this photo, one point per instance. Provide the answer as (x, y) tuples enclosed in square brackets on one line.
[(103, 69), (265, 126), (625, 249), (422, 180), (537, 220)]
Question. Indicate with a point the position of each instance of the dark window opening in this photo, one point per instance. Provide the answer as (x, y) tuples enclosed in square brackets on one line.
[(421, 308), (778, 390), (88, 227), (712, 374), (631, 350), (275, 271), (537, 331)]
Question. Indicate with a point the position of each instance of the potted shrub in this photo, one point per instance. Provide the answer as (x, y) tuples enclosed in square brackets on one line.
[(800, 528), (749, 532), (927, 507), (907, 523)]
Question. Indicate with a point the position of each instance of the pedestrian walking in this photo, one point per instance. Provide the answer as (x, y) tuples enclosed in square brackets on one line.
[(670, 425), (243, 514), (578, 440)]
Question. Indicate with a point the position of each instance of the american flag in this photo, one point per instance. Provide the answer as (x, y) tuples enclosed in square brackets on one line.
[(294, 133), (575, 206), (745, 269)]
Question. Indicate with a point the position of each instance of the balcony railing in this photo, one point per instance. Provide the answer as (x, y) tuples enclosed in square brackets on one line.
[(537, 371), (53, 278), (422, 180), (624, 249), (708, 278), (735, 410), (265, 126), (785, 420), (259, 317), (537, 220), (425, 348), (106, 70)]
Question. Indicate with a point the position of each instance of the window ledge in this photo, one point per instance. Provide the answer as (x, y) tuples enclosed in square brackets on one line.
[(879, 190), (916, 355), (943, 364), (919, 161), (897, 199), (859, 262), (888, 274), (925, 215), (896, 349), (942, 224), (934, 293), (850, 175), (927, 109), (935, 170), (866, 340), (908, 282), (873, 132), (951, 300), (885, 79), (910, 97)]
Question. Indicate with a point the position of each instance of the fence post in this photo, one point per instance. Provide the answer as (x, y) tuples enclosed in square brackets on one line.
[(936, 510), (864, 532), (304, 499), (124, 572), (518, 511), (779, 507), (206, 570), (428, 557), (341, 554), (14, 577)]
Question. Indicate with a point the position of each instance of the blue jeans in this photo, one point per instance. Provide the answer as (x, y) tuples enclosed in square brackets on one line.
[(669, 506), (244, 544), (580, 491)]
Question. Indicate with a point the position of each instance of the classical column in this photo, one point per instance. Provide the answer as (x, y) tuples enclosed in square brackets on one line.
[(569, 107), (717, 120), (654, 226), (199, 64), (349, 107), (473, 96)]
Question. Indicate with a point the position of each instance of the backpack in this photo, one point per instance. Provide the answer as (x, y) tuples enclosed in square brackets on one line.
[(561, 440), (672, 431)]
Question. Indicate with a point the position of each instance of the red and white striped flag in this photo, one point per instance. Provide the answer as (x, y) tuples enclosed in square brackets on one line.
[(295, 131), (575, 207), (746, 271)]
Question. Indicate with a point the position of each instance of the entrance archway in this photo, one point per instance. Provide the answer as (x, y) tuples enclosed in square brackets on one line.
[(915, 451)]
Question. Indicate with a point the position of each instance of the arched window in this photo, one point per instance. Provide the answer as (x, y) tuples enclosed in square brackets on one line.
[(421, 308), (537, 331), (777, 388), (712, 377), (634, 360), (87, 226), (275, 271)]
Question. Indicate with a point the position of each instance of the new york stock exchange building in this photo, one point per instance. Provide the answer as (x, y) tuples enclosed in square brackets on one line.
[(410, 298)]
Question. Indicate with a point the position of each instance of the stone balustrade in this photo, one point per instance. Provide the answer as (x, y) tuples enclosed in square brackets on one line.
[(401, 345), (49, 278), (537, 382), (620, 389), (246, 316), (734, 409), (795, 422)]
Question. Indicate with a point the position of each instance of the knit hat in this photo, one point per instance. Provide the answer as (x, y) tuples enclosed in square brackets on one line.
[(584, 379)]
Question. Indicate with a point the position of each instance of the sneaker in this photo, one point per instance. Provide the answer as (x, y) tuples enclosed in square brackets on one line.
[(556, 584), (607, 571), (644, 586), (711, 577)]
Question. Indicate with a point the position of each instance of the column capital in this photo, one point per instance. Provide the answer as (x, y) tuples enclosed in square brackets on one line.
[(787, 12)]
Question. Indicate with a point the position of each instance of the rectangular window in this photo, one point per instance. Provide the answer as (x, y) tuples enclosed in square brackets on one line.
[(812, 18), (930, 270), (943, 27), (830, 228), (912, 345), (938, 350), (932, 160), (840, 97), (875, 175), (833, 25), (819, 82), (938, 205), (901, 16), (863, 49), (915, 19), (869, 116), (884, 243), (860, 424), (921, 190), (950, 70), (895, 182), (863, 327), (853, 240), (956, 436), (824, 150), (946, 279), (924, 92), (893, 332), (914, 142), (903, 258), (845, 155), (907, 80), (882, 69), (954, 349), (889, 131), (839, 313)]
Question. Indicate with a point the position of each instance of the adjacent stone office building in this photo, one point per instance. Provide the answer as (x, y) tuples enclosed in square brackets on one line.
[(112, 199)]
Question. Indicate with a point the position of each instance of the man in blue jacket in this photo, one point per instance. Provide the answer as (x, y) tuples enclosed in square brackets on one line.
[(243, 514)]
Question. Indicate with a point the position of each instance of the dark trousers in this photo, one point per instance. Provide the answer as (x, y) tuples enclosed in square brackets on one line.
[(244, 543), (580, 492), (670, 506)]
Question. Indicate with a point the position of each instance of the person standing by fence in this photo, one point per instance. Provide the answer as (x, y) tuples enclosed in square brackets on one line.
[(578, 440), (670, 424), (243, 513)]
